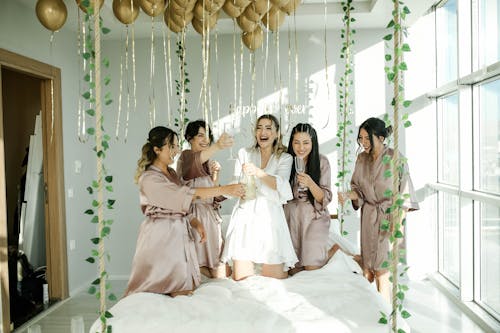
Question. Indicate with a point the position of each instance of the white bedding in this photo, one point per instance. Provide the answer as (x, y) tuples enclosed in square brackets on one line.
[(331, 299)]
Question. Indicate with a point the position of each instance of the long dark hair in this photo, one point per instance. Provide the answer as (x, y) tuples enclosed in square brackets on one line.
[(278, 146), (193, 128), (374, 126), (158, 137), (313, 167)]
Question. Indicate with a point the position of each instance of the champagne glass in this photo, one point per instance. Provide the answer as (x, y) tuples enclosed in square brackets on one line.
[(300, 167), (229, 128)]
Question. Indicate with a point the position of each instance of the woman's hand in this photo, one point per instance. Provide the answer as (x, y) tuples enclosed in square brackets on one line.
[(349, 195), (235, 190), (200, 229), (214, 167), (305, 180), (225, 141), (251, 170)]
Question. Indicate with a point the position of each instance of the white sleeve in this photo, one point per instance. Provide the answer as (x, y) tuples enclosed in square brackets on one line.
[(283, 191)]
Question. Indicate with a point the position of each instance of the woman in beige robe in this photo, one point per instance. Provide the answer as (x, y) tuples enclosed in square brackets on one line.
[(197, 170), (165, 259), (307, 213), (368, 185)]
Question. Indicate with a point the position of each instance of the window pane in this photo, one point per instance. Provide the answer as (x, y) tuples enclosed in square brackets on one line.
[(448, 139), (489, 32), (489, 137), (446, 37), (450, 263), (490, 256)]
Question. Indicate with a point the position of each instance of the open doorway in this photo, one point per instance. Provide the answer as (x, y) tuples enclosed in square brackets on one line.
[(33, 262)]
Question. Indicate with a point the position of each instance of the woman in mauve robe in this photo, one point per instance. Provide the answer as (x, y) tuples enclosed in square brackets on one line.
[(165, 259), (368, 185), (307, 213), (197, 170)]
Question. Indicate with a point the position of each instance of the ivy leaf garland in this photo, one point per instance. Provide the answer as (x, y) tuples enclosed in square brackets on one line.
[(101, 187), (181, 86), (394, 73), (345, 127)]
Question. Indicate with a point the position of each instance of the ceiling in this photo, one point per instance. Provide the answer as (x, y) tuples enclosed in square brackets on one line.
[(309, 16)]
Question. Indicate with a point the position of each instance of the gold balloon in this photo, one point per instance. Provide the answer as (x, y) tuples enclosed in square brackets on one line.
[(231, 10), (276, 18), (198, 26), (91, 4), (180, 7), (152, 8), (251, 14), (290, 7), (279, 3), (260, 6), (51, 13), (208, 23), (241, 3), (186, 4), (253, 40), (170, 23), (181, 20), (199, 12), (246, 24), (126, 11), (212, 6)]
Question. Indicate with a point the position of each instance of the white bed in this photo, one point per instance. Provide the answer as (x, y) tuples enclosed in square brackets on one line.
[(331, 299)]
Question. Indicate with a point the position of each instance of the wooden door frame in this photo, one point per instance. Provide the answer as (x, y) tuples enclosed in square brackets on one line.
[(53, 173)]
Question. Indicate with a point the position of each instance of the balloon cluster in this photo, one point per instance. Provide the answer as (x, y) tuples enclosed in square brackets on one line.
[(251, 15)]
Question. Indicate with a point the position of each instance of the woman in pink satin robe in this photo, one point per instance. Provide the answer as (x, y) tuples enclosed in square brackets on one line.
[(197, 170), (368, 185), (165, 259), (307, 213)]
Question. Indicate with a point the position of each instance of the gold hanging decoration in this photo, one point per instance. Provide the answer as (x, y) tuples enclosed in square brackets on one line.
[(52, 14)]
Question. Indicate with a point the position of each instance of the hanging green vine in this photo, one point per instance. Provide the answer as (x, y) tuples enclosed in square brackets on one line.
[(397, 221), (181, 86), (345, 114), (101, 188)]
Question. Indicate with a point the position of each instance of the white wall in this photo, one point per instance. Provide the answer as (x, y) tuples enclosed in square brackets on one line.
[(29, 38)]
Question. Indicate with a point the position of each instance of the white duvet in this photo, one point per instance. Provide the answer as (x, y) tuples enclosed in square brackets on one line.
[(332, 299)]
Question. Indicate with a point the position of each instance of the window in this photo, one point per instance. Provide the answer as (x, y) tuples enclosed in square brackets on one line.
[(448, 149), (490, 254), (468, 150), (449, 261), (489, 137), (489, 32), (446, 42)]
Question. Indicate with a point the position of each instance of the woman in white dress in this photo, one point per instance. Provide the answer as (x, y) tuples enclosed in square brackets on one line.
[(258, 232)]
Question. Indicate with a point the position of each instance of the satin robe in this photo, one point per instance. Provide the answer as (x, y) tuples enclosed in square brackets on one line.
[(195, 174), (310, 224), (165, 258), (370, 184)]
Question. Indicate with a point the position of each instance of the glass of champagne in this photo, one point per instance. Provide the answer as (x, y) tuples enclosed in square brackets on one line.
[(300, 167), (229, 128)]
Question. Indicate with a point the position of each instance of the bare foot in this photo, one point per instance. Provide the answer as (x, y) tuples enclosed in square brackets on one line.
[(357, 258), (181, 293), (206, 271), (295, 270), (229, 271), (222, 271)]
